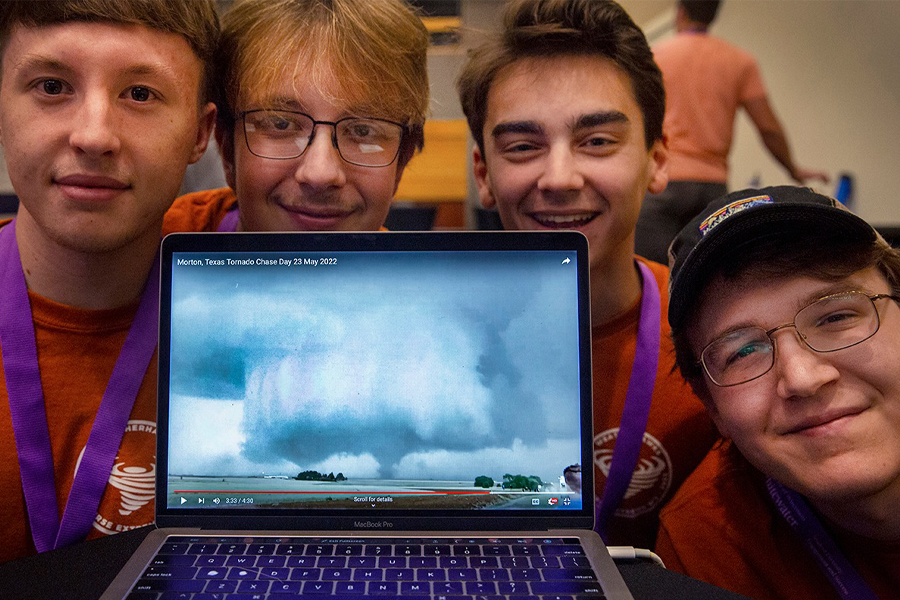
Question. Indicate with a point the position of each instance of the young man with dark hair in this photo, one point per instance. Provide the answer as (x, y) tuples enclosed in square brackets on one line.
[(784, 311), (322, 105), (103, 104), (707, 81), (566, 107)]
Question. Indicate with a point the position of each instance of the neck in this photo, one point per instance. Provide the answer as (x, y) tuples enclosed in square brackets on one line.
[(83, 279), (684, 24), (874, 517), (615, 287)]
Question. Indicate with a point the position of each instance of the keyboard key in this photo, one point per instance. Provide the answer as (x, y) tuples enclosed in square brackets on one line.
[(220, 587), (169, 572), (565, 587), (570, 574), (306, 574), (362, 562), (394, 562), (271, 561), (383, 588), (379, 550), (254, 587), (210, 560), (408, 588), (232, 549), (285, 587), (423, 562), (173, 548), (318, 587), (350, 587), (184, 560), (301, 561), (348, 550), (467, 550), (319, 550), (399, 575), (260, 549), (408, 550), (436, 550), (334, 562), (336, 574), (165, 585)]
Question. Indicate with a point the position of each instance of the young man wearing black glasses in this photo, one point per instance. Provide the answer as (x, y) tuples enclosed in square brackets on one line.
[(784, 311), (321, 106)]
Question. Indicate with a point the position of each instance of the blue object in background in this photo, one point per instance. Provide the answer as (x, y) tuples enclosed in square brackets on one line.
[(844, 191)]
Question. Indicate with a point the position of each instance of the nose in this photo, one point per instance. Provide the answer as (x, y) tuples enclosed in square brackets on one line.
[(800, 370), (561, 171), (95, 126), (321, 165)]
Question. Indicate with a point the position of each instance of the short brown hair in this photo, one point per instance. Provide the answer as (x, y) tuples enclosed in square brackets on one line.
[(549, 28), (375, 50), (194, 20)]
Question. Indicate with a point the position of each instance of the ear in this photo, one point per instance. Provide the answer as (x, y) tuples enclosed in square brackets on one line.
[(658, 167), (204, 129), (226, 151), (482, 179)]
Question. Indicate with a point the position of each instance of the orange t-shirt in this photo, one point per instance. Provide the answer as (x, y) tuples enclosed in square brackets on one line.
[(707, 80), (678, 435), (199, 211), (77, 349), (723, 528)]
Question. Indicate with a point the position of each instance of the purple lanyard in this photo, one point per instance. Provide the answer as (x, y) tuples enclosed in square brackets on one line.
[(29, 417), (229, 222), (637, 404), (794, 509)]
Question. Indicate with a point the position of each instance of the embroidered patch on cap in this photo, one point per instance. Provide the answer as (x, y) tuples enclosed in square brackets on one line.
[(710, 222)]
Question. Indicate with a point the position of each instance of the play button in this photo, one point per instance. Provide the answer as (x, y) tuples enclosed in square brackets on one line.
[(183, 500)]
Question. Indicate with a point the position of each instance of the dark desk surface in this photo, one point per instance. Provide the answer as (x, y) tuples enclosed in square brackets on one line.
[(83, 571)]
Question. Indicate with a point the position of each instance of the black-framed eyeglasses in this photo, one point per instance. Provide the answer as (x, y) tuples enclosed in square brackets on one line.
[(830, 323), (286, 134)]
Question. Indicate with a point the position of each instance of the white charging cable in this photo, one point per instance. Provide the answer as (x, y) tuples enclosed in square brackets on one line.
[(632, 553)]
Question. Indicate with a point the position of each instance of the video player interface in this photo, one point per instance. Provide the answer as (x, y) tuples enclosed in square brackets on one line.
[(383, 380)]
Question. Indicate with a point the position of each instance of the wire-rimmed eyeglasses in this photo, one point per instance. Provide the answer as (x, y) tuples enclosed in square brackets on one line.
[(831, 323)]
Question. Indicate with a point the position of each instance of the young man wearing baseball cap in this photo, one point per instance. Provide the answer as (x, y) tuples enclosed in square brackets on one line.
[(784, 312)]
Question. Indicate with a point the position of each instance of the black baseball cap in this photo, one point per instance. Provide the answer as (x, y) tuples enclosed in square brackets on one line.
[(747, 216)]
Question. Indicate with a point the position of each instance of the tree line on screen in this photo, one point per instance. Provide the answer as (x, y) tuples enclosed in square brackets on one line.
[(316, 476), (529, 483)]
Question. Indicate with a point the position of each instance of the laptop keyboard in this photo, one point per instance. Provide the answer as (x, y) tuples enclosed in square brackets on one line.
[(240, 568)]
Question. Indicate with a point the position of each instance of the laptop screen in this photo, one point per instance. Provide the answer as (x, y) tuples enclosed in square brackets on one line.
[(374, 373)]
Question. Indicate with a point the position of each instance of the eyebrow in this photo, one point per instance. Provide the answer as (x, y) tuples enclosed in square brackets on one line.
[(600, 118), (36, 61), (587, 121), (521, 127)]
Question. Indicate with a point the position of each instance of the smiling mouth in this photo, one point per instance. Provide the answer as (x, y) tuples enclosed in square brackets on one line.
[(564, 221), (825, 423)]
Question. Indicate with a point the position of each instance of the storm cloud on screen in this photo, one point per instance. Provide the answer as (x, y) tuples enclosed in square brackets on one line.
[(375, 372)]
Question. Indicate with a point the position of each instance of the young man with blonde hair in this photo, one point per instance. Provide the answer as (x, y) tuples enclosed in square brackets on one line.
[(103, 104), (321, 106), (566, 107), (785, 310)]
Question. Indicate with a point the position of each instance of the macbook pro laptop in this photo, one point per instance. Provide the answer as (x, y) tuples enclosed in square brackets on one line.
[(373, 414)]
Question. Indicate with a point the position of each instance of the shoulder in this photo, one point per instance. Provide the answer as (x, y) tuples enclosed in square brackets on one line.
[(721, 476), (722, 528), (199, 211)]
